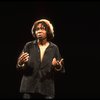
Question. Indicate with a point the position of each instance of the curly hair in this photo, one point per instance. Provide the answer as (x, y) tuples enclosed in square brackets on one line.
[(48, 26)]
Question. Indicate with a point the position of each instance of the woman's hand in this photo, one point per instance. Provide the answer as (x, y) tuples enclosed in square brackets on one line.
[(23, 58), (57, 63)]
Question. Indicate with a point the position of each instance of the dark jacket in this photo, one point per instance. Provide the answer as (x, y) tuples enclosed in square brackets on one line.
[(38, 77)]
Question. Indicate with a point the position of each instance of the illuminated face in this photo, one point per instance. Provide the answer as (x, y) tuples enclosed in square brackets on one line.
[(40, 31)]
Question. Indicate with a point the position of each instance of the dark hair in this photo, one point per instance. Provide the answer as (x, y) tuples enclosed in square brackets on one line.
[(48, 26)]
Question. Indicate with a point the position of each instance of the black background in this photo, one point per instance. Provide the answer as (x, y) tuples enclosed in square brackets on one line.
[(77, 29)]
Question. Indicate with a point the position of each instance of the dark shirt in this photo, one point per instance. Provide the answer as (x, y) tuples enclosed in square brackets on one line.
[(38, 77)]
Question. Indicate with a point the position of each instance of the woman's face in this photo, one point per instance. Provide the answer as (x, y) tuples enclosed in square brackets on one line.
[(40, 32)]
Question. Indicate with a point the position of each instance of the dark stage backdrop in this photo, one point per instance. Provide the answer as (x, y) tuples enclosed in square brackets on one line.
[(77, 29)]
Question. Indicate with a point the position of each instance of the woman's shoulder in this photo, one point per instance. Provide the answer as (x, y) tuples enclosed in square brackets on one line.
[(30, 43), (53, 44)]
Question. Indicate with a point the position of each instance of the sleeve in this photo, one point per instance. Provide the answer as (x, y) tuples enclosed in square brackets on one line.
[(58, 57), (26, 69), (57, 53), (25, 49)]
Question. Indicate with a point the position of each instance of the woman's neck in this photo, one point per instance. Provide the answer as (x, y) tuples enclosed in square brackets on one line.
[(42, 42)]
